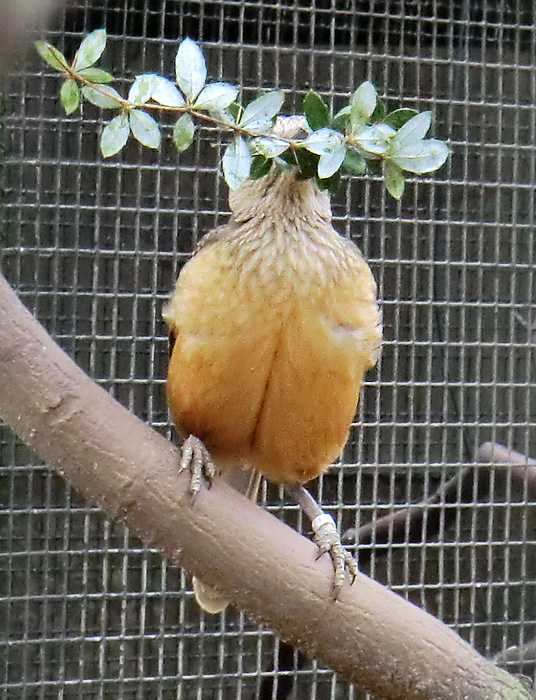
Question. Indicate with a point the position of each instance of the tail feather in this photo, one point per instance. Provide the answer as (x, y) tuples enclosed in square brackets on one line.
[(209, 598)]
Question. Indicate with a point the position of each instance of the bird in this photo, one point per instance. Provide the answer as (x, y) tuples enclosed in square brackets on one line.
[(273, 323)]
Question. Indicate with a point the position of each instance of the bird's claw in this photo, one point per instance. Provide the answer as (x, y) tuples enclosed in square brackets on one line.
[(328, 540), (196, 458)]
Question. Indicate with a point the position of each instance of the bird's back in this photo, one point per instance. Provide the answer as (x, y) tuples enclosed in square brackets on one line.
[(273, 332)]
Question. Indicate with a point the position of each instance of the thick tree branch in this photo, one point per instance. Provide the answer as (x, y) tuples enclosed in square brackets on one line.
[(369, 635)]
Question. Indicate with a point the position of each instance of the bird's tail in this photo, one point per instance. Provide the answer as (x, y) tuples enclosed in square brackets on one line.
[(210, 599)]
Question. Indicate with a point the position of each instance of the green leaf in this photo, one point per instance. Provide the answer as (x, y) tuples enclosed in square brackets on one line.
[(379, 112), (362, 104), (90, 50), (375, 139), (69, 96), (216, 96), (324, 141), (114, 135), (331, 184), (290, 156), (105, 96), (260, 166), (354, 162), (144, 128), (96, 75), (224, 116), (190, 69), (394, 180), (270, 147), (236, 163), (316, 110), (399, 117), (183, 132), (374, 167), (307, 163), (142, 88), (51, 55), (331, 148), (235, 110), (341, 119), (258, 115), (284, 165), (166, 93), (414, 130), (421, 157)]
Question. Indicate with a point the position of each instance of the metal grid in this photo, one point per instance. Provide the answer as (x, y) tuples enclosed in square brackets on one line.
[(93, 249)]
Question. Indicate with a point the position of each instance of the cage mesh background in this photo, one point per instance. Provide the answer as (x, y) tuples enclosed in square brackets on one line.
[(93, 248)]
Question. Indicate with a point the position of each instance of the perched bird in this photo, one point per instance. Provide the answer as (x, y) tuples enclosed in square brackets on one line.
[(273, 323)]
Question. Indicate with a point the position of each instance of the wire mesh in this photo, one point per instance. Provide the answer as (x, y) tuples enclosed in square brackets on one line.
[(93, 248)]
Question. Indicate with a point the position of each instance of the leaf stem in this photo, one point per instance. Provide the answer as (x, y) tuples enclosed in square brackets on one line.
[(124, 104)]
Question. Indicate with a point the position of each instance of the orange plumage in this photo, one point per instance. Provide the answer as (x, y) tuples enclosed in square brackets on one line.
[(274, 322)]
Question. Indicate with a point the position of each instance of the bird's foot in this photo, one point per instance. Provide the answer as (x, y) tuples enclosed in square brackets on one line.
[(327, 539), (196, 458)]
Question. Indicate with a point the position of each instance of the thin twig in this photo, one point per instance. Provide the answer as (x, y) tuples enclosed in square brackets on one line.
[(422, 521)]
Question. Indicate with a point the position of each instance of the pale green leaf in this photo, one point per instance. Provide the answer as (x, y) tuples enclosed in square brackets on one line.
[(224, 116), (114, 135), (236, 163), (324, 141), (69, 96), (257, 116), (422, 157), (51, 55), (216, 96), (414, 130), (90, 50), (330, 162), (145, 129), (375, 139), (394, 180), (96, 75), (104, 96), (142, 88), (166, 93), (190, 69), (362, 104), (183, 132), (269, 147)]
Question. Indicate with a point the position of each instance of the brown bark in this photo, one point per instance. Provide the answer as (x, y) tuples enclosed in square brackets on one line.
[(369, 635)]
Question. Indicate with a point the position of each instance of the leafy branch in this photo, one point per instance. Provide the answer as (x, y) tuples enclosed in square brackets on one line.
[(362, 137)]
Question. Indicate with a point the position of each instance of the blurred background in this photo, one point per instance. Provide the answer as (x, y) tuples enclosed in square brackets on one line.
[(93, 248)]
